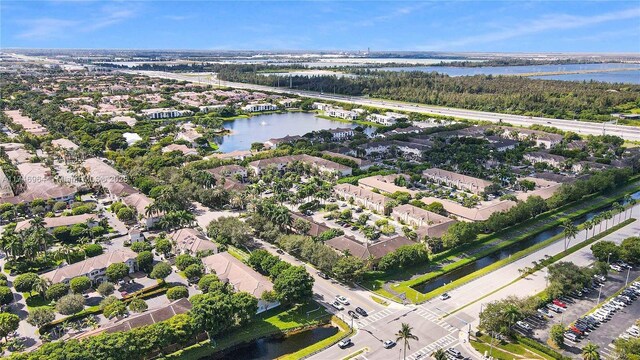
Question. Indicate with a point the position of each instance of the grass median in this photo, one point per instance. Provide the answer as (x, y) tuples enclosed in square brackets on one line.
[(270, 323), (511, 236)]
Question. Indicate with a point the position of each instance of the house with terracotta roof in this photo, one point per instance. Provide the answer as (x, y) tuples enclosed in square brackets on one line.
[(427, 223), (149, 317), (51, 223), (241, 277), (281, 162), (192, 241), (362, 164), (452, 179), (363, 197), (141, 202), (94, 267), (367, 251), (184, 149)]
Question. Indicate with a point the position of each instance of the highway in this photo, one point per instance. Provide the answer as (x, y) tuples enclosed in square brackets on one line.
[(626, 132)]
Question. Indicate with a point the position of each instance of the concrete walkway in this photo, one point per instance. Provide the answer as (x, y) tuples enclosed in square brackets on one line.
[(530, 285)]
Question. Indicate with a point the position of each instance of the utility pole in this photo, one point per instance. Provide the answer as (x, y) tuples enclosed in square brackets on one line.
[(627, 281)]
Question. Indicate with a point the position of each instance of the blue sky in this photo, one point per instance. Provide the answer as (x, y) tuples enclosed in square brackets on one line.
[(510, 26)]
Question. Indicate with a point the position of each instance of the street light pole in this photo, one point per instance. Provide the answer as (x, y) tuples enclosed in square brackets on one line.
[(608, 257), (599, 293), (627, 281)]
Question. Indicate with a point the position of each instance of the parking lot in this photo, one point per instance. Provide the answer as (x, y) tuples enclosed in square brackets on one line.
[(577, 307)]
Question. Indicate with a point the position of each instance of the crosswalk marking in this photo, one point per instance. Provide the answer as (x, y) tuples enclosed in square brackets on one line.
[(433, 317), (364, 321), (441, 343)]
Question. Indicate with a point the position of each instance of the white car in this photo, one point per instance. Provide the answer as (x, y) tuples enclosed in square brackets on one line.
[(524, 325), (445, 296), (337, 305), (343, 300)]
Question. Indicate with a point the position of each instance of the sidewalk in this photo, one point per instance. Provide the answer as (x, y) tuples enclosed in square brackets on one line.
[(530, 285)]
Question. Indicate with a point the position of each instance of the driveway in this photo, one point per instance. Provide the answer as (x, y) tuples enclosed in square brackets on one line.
[(204, 215)]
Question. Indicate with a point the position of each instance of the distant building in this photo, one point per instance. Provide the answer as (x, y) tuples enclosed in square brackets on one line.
[(387, 119), (363, 197), (192, 241), (427, 223), (535, 157), (162, 113), (281, 162), (460, 181), (259, 107), (51, 223), (368, 251), (185, 150)]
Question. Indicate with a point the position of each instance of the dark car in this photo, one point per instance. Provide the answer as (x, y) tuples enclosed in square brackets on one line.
[(279, 251), (323, 275), (353, 314), (361, 311)]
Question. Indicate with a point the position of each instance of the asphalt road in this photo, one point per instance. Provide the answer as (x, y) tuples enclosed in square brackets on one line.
[(580, 127)]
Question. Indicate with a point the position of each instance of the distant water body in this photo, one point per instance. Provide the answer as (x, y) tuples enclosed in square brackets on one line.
[(632, 76)]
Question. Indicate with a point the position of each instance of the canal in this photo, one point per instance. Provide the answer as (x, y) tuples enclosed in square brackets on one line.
[(260, 128), (271, 348), (504, 253)]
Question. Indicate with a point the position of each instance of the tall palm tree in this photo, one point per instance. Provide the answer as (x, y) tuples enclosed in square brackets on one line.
[(570, 231), (405, 335), (626, 201), (590, 352), (632, 203), (607, 216), (588, 225), (616, 208)]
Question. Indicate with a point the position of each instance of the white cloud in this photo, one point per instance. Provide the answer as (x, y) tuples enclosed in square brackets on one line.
[(48, 28), (549, 22)]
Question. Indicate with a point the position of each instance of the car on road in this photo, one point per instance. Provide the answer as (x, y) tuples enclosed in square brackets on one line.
[(388, 344), (445, 296), (353, 314), (323, 275), (345, 343), (280, 251), (337, 305), (343, 300), (361, 311)]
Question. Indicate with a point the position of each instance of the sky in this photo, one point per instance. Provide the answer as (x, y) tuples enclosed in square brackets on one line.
[(484, 26)]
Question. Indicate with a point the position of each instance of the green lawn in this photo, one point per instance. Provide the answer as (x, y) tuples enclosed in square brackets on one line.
[(34, 301), (450, 260), (272, 322), (507, 351)]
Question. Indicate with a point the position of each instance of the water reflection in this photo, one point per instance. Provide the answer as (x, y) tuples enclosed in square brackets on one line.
[(261, 128)]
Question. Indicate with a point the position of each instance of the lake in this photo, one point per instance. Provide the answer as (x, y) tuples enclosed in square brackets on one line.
[(622, 76), (261, 128)]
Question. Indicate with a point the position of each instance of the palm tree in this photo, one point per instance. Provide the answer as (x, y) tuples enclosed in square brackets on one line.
[(570, 231), (406, 335), (616, 208), (64, 252), (607, 216), (41, 285), (626, 201), (439, 354), (512, 314), (632, 203), (588, 225), (590, 352)]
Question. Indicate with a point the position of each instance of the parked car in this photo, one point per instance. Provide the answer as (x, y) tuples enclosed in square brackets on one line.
[(559, 303), (524, 325), (388, 344), (343, 300), (545, 312), (345, 343), (554, 308), (571, 336), (361, 311), (353, 314)]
